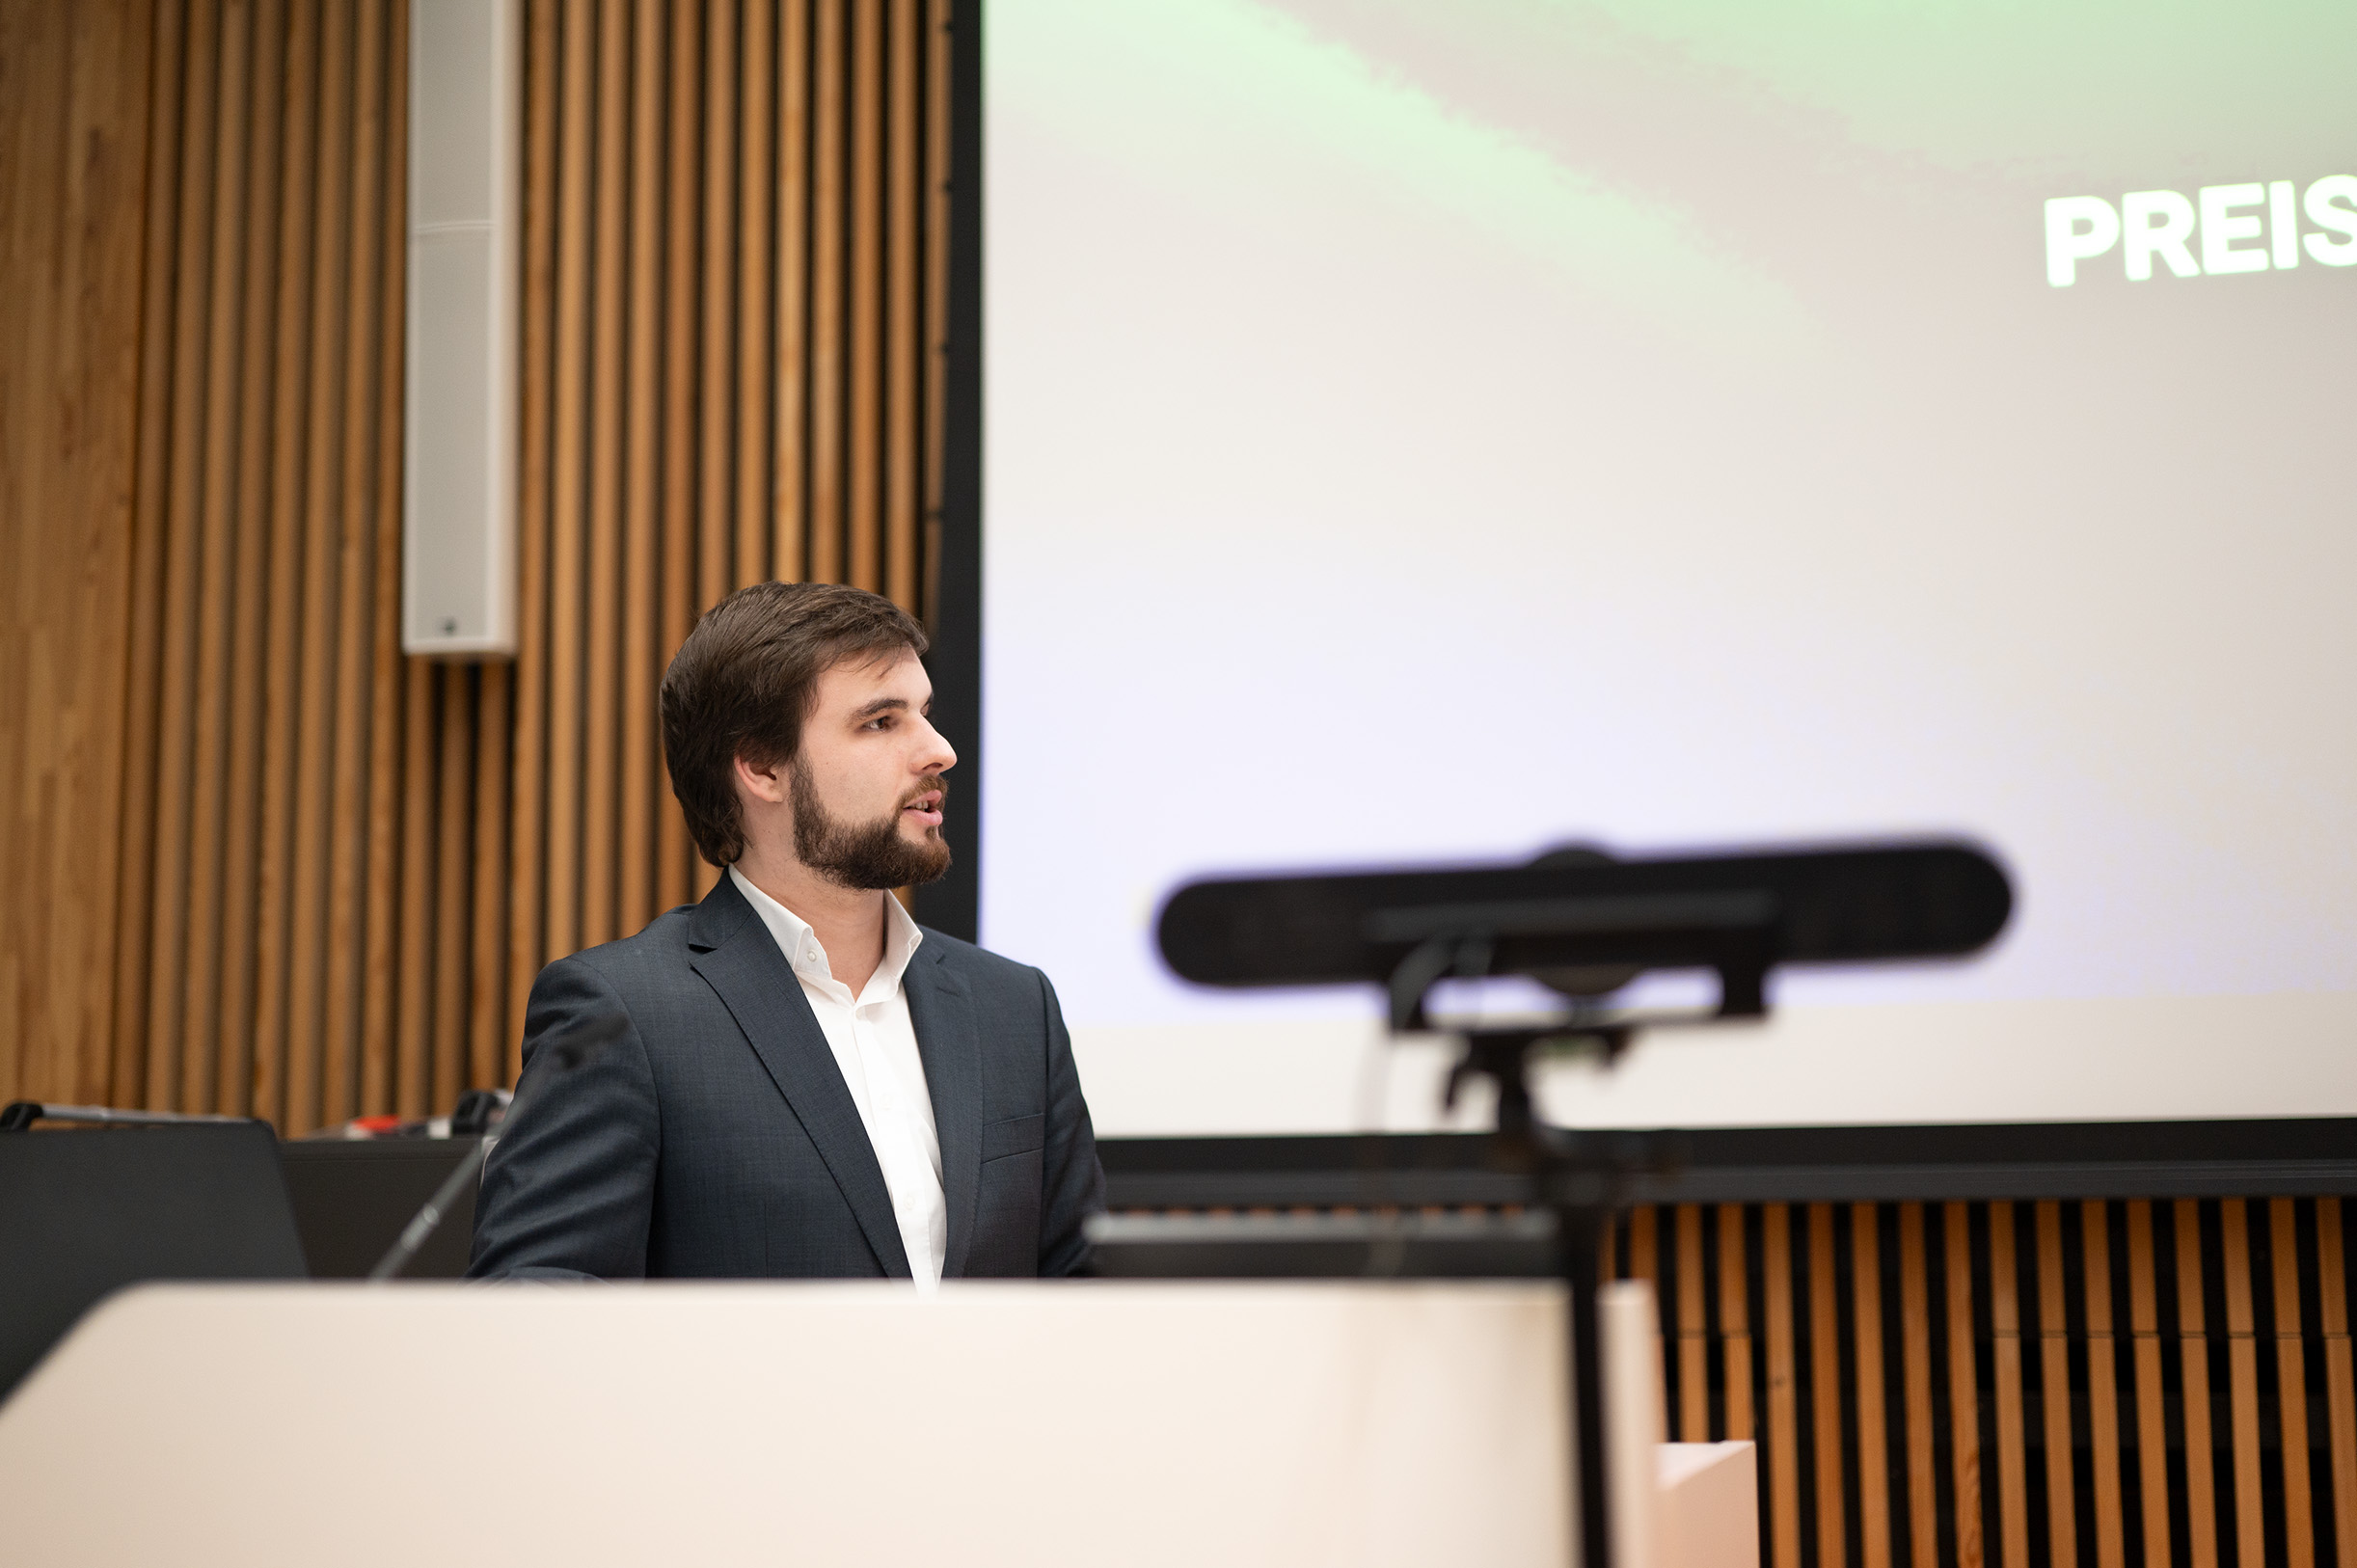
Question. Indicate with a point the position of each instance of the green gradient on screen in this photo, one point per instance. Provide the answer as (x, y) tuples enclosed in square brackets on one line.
[(1268, 77), (1972, 82)]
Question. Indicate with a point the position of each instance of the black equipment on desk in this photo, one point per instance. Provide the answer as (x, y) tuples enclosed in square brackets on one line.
[(83, 1214), (1587, 925), (1361, 1245), (352, 1196), (1583, 912)]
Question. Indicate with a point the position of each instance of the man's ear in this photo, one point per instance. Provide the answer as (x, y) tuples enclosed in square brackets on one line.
[(763, 781)]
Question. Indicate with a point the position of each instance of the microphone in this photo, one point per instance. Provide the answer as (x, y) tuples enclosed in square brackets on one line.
[(563, 1051)]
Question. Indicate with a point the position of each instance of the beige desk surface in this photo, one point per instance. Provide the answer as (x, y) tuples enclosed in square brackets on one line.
[(817, 1424)]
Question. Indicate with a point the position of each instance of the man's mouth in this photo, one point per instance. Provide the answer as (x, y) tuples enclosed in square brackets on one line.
[(925, 808)]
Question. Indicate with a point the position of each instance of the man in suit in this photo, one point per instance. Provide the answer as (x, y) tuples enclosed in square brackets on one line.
[(793, 1078)]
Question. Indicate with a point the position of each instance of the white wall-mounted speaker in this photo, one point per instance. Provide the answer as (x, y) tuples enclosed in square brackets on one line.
[(458, 575)]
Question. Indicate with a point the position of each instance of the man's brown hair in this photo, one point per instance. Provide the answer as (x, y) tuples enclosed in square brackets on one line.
[(745, 679)]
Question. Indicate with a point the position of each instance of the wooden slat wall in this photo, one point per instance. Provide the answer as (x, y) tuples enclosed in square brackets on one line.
[(269, 864), (2101, 1442), (77, 245)]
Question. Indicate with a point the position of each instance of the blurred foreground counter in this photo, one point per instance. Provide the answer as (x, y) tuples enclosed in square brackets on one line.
[(1039, 1425)]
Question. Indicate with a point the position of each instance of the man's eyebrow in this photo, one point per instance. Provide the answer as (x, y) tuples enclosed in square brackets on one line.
[(881, 705)]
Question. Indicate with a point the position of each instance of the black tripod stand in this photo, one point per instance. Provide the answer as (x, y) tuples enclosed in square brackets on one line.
[(1585, 925), (1580, 1177)]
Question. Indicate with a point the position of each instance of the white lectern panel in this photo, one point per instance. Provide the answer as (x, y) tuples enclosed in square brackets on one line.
[(816, 1425)]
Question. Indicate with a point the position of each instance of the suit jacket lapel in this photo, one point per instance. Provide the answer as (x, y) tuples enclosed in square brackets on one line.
[(736, 955), (942, 1012)]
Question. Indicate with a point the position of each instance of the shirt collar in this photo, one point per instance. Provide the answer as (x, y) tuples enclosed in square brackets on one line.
[(801, 944)]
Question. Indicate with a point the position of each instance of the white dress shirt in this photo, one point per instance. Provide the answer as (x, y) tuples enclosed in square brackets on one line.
[(874, 1046)]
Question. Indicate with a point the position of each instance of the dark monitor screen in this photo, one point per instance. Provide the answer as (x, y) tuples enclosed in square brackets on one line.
[(84, 1213)]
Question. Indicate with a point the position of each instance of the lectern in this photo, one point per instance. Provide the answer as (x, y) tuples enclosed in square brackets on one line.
[(1026, 1424), (1034, 1426)]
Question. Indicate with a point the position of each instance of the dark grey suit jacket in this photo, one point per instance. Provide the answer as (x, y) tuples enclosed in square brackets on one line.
[(713, 1136)]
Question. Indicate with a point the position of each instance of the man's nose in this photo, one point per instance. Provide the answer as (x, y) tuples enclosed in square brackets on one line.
[(938, 755)]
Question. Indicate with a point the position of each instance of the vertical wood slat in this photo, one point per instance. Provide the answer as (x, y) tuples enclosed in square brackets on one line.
[(904, 369), (825, 526), (383, 503), (1873, 1439), (143, 695), (789, 379), (167, 937), (214, 524), (356, 719), (681, 297), (1915, 1361), (412, 1065), (1645, 1263), (233, 946), (715, 540), (605, 185), (308, 990), (2054, 1386), (577, 92), (2193, 1372), (321, 967), (2151, 1435), (527, 840), (867, 344), (2102, 1393), (757, 118), (2291, 1385), (291, 384), (1963, 1394), (2340, 1377), (1693, 1331), (365, 619), (487, 1028), (1784, 1441), (452, 892), (715, 496), (2005, 1352), (641, 629), (1825, 1386), (2243, 1384), (246, 827), (1734, 1323), (1646, 1245), (196, 524)]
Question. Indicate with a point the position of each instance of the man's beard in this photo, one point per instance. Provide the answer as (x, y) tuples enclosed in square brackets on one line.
[(864, 855)]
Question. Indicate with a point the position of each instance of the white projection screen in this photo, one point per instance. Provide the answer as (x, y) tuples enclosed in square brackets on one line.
[(1433, 430)]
